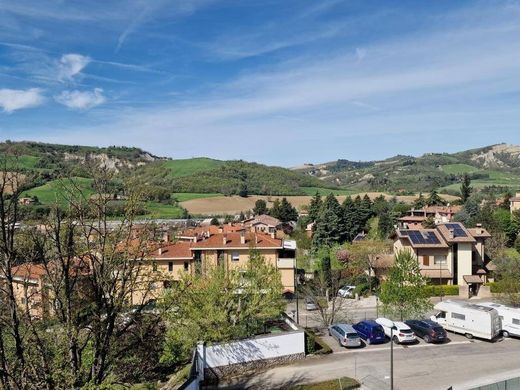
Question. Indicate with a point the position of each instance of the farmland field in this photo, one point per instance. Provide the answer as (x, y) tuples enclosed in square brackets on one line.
[(187, 167), (55, 190), (184, 196)]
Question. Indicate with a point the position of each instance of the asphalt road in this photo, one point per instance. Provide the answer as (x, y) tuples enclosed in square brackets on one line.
[(460, 363)]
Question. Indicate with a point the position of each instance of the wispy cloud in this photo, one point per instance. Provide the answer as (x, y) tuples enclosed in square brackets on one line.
[(16, 99), (81, 100), (71, 65)]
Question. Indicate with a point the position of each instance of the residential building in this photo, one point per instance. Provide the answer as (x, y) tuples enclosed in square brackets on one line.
[(515, 202), (439, 215), (448, 254), (263, 223), (29, 291)]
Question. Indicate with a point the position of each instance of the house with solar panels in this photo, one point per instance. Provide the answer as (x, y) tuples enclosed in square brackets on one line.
[(448, 254)]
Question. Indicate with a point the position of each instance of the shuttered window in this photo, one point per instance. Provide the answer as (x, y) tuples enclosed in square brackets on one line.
[(426, 260)]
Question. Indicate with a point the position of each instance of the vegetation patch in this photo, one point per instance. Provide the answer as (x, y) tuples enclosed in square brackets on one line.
[(344, 383)]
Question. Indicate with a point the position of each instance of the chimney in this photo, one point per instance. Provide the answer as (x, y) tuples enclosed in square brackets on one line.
[(273, 234), (195, 238), (256, 238), (160, 251), (452, 234), (479, 228), (166, 237), (224, 239), (242, 237), (220, 230)]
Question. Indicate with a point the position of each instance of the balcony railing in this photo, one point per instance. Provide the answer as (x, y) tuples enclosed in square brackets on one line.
[(286, 263)]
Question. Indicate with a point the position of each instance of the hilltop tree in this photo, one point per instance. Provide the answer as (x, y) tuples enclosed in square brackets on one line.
[(434, 199), (465, 188), (403, 294), (260, 207)]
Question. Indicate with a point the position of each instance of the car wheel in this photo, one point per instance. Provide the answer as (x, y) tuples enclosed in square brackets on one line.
[(396, 340), (427, 339), (505, 333), (469, 336), (368, 341)]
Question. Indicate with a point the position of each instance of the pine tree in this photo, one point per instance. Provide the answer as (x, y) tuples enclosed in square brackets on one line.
[(349, 219), (465, 188), (287, 212), (386, 223), (329, 224), (434, 199), (420, 202), (315, 207), (260, 207)]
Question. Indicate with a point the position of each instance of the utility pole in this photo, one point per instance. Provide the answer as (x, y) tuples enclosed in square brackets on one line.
[(392, 357), (296, 294)]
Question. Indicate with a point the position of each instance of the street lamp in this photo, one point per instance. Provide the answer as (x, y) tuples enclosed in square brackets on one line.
[(296, 293), (392, 356)]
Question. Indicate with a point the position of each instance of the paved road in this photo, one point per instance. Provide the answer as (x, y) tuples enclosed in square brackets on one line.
[(460, 363)]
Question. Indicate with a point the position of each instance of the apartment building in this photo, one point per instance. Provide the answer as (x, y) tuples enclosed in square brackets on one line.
[(448, 254), (514, 203)]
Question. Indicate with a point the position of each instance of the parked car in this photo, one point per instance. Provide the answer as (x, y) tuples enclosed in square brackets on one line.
[(310, 304), (401, 333), (370, 331), (428, 330), (345, 334), (346, 291), (468, 319), (510, 317)]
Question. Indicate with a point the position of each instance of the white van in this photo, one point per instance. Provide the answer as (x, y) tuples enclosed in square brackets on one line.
[(509, 316), (468, 319)]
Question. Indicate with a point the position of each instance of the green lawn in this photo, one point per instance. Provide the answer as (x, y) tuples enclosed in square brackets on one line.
[(159, 210), (325, 191), (55, 190), (336, 384), (184, 196), (191, 166), (458, 169)]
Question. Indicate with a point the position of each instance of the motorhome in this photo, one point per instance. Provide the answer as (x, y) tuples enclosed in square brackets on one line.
[(468, 319), (509, 316)]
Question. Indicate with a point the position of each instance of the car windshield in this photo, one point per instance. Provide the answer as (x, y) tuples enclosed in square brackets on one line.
[(352, 335), (378, 332), (438, 329), (407, 331)]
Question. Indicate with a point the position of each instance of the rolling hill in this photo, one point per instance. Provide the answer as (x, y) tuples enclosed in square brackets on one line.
[(496, 165)]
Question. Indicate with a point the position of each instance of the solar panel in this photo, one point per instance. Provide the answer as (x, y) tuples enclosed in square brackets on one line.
[(457, 230), (418, 237)]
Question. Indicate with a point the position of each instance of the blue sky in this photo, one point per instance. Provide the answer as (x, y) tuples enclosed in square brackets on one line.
[(280, 82)]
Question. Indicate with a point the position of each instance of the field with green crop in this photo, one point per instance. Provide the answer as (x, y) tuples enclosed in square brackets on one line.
[(188, 167), (458, 169), (184, 196), (325, 191), (56, 190)]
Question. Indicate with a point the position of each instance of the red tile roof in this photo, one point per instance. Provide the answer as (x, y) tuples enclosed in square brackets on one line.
[(259, 240), (28, 271), (177, 250)]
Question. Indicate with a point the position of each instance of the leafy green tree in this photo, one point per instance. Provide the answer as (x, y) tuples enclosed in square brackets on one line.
[(287, 211), (508, 280), (315, 207), (386, 223), (220, 305), (403, 294), (465, 188), (260, 207), (214, 221), (429, 223)]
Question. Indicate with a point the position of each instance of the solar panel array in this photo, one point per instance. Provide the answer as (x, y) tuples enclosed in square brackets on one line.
[(457, 230), (418, 237)]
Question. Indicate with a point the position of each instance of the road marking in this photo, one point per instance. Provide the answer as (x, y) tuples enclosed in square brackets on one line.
[(410, 346)]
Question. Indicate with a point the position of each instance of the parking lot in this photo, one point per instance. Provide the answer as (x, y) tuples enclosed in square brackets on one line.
[(453, 339)]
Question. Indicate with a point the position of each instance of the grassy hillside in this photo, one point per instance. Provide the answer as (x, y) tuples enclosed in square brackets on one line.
[(56, 190), (188, 167), (497, 165)]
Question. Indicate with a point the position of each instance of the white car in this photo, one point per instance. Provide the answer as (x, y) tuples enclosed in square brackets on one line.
[(402, 333), (346, 291)]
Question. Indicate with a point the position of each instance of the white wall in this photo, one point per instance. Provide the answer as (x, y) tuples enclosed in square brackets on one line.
[(259, 348), (464, 258)]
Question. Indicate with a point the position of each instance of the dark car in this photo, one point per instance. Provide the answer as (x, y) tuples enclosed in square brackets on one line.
[(370, 331), (428, 330)]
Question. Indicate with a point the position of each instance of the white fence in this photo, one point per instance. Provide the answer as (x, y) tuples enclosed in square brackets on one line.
[(253, 349)]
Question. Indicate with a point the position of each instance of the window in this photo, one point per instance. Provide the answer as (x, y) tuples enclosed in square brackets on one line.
[(516, 321), (439, 259), (442, 314), (426, 260), (186, 266), (235, 256), (154, 266), (458, 316), (170, 266)]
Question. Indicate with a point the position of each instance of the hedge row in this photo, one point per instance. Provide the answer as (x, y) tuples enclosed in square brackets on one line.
[(441, 290), (315, 344)]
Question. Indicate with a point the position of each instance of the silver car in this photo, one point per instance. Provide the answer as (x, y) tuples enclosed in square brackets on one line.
[(345, 334)]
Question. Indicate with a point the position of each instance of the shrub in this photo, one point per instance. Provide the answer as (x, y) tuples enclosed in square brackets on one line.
[(315, 344), (438, 290)]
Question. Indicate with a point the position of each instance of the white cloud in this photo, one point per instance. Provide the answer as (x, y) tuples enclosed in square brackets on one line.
[(16, 99), (71, 65), (81, 100)]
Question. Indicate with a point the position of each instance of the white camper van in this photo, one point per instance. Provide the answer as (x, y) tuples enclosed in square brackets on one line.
[(509, 316), (468, 319)]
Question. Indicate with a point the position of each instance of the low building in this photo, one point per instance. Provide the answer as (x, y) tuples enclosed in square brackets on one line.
[(514, 203), (448, 254), (439, 215)]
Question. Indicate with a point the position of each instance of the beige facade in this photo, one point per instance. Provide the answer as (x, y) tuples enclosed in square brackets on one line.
[(515, 202)]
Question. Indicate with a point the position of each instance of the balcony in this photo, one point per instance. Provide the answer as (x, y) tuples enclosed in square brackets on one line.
[(286, 263)]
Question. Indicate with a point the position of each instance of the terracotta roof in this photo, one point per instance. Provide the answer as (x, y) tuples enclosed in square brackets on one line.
[(442, 209), (259, 240), (265, 219), (436, 273), (414, 218), (178, 250), (382, 261), (28, 271), (211, 229), (472, 279), (479, 232), (445, 231)]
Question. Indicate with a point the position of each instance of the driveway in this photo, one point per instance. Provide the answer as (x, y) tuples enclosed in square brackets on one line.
[(459, 363)]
